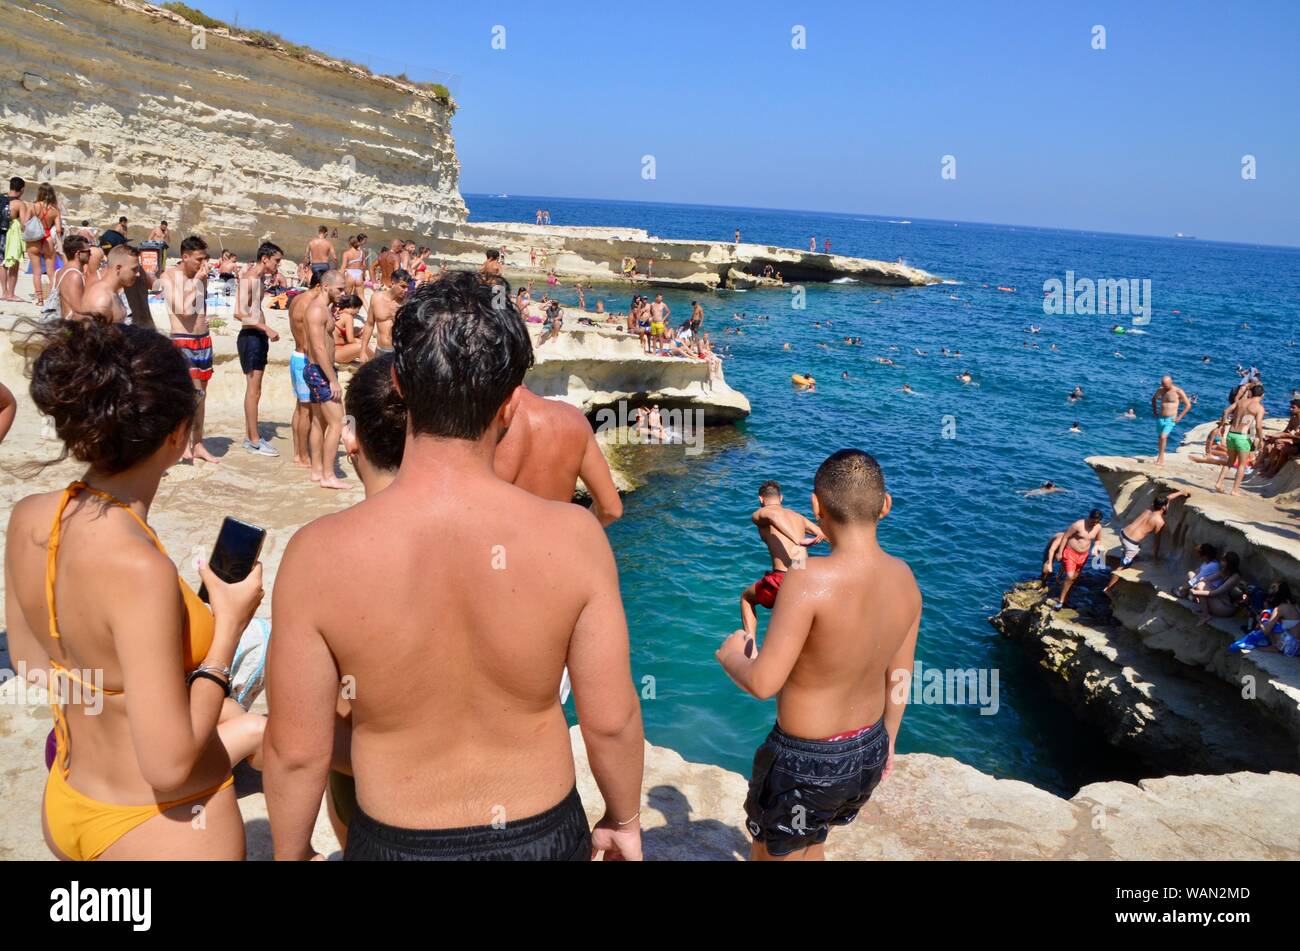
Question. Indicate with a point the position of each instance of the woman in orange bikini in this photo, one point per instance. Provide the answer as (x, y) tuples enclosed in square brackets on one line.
[(138, 665)]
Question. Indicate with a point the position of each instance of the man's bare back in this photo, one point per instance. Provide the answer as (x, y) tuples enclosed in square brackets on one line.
[(783, 530), (320, 250), (379, 319), (863, 612), (485, 647)]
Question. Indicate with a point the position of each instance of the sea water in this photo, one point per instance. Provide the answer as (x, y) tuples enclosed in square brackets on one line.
[(956, 457)]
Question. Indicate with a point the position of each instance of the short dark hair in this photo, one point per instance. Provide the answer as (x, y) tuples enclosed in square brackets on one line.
[(1257, 389), (16, 184), (768, 489), (378, 413), (1096, 515), (322, 230), (461, 350), (122, 220), (850, 487), (350, 302), (400, 276), (193, 243), (73, 245), (1208, 551), (268, 250), (163, 221), (492, 254), (1159, 502)]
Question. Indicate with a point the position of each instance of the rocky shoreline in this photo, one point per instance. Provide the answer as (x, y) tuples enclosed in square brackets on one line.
[(1140, 666)]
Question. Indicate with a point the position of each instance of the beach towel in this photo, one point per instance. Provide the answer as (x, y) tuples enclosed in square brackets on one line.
[(14, 248)]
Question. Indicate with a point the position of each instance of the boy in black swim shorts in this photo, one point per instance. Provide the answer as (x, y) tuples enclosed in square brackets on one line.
[(838, 657)]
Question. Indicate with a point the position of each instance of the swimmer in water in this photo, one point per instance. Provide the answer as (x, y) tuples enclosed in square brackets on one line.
[(966, 377), (1075, 428), (908, 390), (920, 353), (885, 361), (1076, 394), (844, 375), (1130, 414), (1047, 488)]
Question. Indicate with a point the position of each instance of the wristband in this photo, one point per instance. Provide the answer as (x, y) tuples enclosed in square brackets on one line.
[(208, 674)]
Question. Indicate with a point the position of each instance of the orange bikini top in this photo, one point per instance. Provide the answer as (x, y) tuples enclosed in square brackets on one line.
[(198, 628)]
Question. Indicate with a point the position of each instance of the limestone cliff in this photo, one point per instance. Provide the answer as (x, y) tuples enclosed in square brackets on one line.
[(111, 102)]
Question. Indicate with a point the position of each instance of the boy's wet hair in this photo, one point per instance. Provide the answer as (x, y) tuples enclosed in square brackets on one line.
[(1096, 515), (769, 489), (378, 412), (461, 350), (850, 487)]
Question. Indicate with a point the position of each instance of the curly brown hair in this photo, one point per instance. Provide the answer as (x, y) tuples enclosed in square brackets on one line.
[(114, 391)]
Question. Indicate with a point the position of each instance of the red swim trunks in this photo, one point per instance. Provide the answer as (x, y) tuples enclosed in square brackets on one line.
[(1073, 560), (768, 586)]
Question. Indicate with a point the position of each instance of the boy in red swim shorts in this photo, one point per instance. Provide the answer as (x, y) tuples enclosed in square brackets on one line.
[(784, 532)]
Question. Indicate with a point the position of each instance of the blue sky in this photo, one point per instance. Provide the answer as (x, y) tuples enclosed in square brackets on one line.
[(1146, 136)]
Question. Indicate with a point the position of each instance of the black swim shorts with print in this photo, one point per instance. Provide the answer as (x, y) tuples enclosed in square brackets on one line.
[(800, 788)]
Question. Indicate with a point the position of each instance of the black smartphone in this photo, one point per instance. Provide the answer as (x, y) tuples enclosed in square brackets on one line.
[(238, 547)]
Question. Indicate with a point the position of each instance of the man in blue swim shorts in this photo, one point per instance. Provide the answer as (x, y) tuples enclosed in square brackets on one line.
[(1164, 407)]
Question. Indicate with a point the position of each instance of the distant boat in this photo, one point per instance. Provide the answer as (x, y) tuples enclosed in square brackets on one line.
[(1189, 237)]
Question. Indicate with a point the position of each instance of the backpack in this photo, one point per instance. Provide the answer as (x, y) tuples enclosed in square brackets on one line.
[(5, 216)]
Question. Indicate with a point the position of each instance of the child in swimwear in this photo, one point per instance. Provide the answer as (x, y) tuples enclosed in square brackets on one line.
[(841, 641)]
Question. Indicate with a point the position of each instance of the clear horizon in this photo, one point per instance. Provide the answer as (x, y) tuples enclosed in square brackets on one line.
[(1148, 136), (885, 215)]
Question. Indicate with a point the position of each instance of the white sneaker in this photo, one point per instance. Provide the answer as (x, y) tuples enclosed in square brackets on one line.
[(262, 447)]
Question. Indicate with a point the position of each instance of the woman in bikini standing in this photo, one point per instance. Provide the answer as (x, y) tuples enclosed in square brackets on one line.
[(144, 730), (44, 211), (353, 264)]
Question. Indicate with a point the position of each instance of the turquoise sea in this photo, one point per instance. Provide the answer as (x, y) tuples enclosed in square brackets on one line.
[(686, 548)]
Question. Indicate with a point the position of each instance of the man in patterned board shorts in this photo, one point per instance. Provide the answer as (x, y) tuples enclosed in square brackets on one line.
[(185, 289)]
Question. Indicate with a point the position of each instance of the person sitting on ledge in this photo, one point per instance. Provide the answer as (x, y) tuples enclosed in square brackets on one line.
[(1204, 576), (460, 749)]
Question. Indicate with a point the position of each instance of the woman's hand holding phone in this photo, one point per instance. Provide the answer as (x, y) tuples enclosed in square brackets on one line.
[(233, 603)]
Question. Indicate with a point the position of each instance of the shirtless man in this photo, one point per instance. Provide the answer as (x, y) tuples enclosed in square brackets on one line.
[(548, 448), (185, 289), (659, 314), (1164, 407), (379, 316), (1245, 430), (305, 433), (9, 276), (456, 720), (160, 233), (254, 341), (491, 269), (1074, 545), (787, 535), (320, 254), (389, 261), (104, 298), (1150, 522), (325, 395), (838, 657)]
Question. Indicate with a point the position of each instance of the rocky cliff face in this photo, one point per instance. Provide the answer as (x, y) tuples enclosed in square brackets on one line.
[(111, 101), (1140, 664)]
